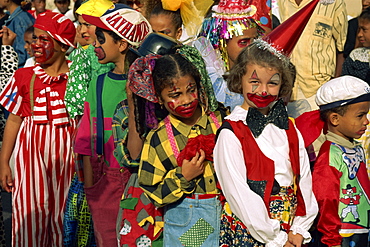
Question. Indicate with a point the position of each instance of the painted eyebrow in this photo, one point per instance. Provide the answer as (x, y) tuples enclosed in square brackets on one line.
[(254, 75), (275, 77), (191, 85), (174, 89)]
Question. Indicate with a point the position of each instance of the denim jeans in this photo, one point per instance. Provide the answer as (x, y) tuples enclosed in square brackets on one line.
[(192, 222)]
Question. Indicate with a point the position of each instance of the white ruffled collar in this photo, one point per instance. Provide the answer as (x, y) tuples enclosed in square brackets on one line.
[(238, 114), (48, 79)]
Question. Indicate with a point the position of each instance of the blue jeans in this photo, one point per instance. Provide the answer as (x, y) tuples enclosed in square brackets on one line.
[(192, 222)]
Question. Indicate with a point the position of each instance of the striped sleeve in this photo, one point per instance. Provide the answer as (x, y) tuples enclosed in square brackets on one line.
[(11, 98)]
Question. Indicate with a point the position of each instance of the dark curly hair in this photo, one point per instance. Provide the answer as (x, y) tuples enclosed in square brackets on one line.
[(175, 15), (262, 57), (171, 67)]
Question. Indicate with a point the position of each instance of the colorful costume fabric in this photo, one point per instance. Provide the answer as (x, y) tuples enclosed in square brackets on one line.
[(9, 64), (110, 178), (43, 159), (357, 64), (341, 186), (186, 214), (78, 228), (232, 174), (139, 221), (84, 68)]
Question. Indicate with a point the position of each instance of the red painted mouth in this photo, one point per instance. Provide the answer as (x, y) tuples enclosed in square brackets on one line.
[(262, 101), (99, 52), (187, 111)]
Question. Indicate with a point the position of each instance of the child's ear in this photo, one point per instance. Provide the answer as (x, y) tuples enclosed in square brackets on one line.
[(179, 33), (123, 45), (64, 48), (334, 118)]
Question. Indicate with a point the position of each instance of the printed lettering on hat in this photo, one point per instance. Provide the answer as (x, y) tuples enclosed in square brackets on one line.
[(134, 32)]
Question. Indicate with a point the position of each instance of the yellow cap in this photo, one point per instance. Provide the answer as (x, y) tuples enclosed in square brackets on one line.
[(94, 8)]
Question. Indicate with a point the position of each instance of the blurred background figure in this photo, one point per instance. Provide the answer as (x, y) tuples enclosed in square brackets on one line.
[(63, 7), (38, 6), (18, 21)]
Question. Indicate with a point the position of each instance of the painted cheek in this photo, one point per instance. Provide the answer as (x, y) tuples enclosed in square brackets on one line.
[(172, 105), (194, 95), (45, 49)]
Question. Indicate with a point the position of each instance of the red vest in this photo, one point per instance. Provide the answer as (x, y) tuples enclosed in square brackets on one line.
[(261, 169)]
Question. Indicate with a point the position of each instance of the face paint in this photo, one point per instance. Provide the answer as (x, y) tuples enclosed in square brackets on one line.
[(100, 36), (43, 48), (275, 78), (184, 111), (99, 52), (254, 75), (262, 101)]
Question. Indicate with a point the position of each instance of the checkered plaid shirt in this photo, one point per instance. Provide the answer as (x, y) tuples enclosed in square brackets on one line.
[(160, 176), (120, 131)]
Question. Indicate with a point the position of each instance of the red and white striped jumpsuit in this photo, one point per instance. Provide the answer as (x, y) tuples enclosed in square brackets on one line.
[(43, 158)]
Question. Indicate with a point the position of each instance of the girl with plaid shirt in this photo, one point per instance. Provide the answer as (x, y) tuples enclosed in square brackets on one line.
[(176, 169)]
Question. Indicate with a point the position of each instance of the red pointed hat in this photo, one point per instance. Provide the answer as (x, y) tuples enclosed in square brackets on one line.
[(283, 39)]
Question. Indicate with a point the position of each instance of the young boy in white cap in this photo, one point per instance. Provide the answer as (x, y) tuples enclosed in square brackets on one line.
[(340, 181), (38, 132), (117, 30)]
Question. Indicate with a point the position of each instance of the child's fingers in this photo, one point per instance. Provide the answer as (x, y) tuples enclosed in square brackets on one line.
[(202, 156), (7, 184), (195, 158)]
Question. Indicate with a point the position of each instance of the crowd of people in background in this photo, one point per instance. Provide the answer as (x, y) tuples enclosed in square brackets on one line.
[(185, 123)]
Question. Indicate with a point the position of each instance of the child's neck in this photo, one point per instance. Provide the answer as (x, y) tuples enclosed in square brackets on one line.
[(58, 67), (120, 66)]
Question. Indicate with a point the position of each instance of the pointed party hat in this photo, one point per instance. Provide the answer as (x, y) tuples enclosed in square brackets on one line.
[(229, 18), (282, 40)]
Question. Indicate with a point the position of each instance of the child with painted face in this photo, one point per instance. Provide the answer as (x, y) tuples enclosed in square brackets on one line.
[(77, 224), (259, 156), (38, 132), (176, 169), (104, 177)]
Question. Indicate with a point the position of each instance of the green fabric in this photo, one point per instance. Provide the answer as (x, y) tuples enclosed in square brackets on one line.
[(114, 91), (193, 55), (84, 68), (345, 160), (129, 203), (197, 234)]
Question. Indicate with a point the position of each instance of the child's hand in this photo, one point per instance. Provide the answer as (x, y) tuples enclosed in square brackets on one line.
[(7, 35), (6, 180), (294, 240), (194, 167)]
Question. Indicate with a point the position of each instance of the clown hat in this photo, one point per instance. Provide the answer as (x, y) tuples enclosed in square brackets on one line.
[(231, 18), (95, 7), (58, 26), (283, 39), (127, 23)]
